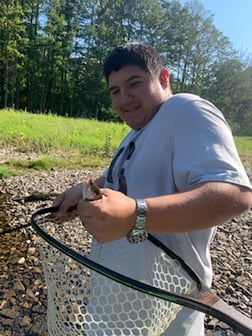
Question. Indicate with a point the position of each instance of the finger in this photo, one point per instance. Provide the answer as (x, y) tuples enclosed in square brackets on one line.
[(57, 203), (87, 210), (82, 208), (63, 206), (58, 200)]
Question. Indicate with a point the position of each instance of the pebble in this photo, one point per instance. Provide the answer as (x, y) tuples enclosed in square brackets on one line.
[(23, 293)]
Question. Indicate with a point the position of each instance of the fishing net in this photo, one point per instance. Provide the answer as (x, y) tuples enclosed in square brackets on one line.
[(84, 302)]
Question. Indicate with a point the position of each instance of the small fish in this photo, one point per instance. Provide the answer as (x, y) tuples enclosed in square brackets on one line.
[(91, 191)]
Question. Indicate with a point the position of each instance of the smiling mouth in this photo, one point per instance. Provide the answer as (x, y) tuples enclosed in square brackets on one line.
[(132, 109)]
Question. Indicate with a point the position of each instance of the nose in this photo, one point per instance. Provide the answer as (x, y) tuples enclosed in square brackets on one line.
[(125, 97)]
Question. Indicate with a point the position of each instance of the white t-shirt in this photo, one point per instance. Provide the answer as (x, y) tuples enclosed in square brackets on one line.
[(186, 143)]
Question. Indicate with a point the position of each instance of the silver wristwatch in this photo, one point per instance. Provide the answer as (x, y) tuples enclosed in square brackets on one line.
[(138, 233)]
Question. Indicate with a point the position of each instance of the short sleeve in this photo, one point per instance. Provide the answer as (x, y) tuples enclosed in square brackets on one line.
[(203, 147)]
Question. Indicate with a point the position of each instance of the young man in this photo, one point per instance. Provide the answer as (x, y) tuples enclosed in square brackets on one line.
[(178, 168)]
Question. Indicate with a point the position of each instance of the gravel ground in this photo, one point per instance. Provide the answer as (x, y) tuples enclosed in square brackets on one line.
[(23, 291)]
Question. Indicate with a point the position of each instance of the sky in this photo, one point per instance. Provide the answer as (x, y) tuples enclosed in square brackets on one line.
[(234, 19)]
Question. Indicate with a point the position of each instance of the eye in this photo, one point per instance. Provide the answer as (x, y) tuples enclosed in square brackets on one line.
[(114, 92), (135, 83)]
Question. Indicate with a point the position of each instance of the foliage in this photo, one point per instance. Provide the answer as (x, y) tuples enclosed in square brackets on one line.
[(230, 90), (52, 51)]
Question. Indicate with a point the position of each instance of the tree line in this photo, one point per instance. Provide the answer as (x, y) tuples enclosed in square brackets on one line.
[(52, 51)]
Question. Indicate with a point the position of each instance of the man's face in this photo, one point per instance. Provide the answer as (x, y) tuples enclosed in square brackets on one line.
[(136, 94)]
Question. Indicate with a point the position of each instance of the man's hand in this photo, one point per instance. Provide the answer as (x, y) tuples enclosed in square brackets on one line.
[(68, 199), (109, 218)]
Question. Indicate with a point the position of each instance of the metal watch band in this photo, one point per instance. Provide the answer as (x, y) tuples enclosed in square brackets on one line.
[(138, 233)]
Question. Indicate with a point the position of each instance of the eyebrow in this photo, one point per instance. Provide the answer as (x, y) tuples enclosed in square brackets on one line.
[(128, 80)]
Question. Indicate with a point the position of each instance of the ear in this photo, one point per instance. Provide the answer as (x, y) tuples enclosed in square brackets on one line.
[(164, 78)]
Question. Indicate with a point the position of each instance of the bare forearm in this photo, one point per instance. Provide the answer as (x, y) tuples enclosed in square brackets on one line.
[(208, 205)]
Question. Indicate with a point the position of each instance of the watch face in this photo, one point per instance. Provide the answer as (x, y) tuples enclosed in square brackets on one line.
[(137, 236)]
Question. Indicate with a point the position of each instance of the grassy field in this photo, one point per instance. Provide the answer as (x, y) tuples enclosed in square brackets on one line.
[(56, 141)]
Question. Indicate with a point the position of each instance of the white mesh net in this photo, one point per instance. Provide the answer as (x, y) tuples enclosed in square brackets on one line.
[(84, 302)]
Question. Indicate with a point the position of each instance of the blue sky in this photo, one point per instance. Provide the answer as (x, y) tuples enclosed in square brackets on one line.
[(234, 19)]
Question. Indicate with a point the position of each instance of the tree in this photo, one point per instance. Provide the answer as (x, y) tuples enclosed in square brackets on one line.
[(52, 51), (194, 44), (12, 50), (32, 66), (108, 24), (231, 90)]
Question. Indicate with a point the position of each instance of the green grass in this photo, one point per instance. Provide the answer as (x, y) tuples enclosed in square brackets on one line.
[(67, 142), (244, 144), (48, 132), (57, 141), (244, 147)]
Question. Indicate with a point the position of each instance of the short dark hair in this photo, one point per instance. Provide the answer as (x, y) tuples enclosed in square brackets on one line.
[(135, 53)]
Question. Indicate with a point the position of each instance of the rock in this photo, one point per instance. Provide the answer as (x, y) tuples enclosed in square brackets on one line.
[(21, 260), (23, 293), (9, 313)]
